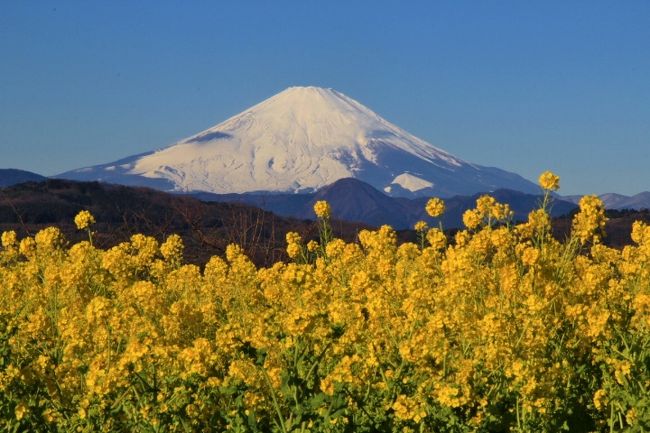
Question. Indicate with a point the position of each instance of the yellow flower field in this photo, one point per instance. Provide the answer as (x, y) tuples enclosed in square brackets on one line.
[(499, 329)]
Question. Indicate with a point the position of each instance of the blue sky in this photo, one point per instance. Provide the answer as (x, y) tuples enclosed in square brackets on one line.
[(524, 86)]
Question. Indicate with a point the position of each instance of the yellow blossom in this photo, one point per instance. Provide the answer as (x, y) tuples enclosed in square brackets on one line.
[(472, 219), (530, 256), (21, 410), (436, 238), (172, 248), (549, 181), (589, 223), (435, 207), (9, 239), (293, 238), (420, 226), (293, 250), (499, 321), (84, 220), (408, 409), (322, 209), (312, 246), (600, 399)]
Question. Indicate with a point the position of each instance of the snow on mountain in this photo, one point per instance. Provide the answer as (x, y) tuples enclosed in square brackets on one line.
[(300, 140), (409, 182)]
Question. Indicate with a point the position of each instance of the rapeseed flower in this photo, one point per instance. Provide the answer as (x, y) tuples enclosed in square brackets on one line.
[(476, 333), (435, 207), (549, 181), (84, 219), (9, 239), (421, 226), (322, 209)]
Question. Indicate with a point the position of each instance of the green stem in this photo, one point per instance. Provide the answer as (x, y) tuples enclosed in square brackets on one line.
[(276, 406)]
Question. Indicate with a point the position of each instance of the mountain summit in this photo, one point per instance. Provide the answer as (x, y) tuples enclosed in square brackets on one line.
[(300, 140)]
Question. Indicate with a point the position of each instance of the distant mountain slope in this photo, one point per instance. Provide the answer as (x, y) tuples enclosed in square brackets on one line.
[(353, 200), (619, 201), (301, 140), (12, 176), (636, 202)]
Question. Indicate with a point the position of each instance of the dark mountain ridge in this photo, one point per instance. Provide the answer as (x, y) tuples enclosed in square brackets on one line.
[(354, 200), (208, 227), (13, 176), (121, 211)]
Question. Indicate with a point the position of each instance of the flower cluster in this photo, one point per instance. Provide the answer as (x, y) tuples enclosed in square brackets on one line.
[(435, 207), (294, 247), (84, 220), (589, 223), (500, 328), (549, 181), (487, 211), (322, 209)]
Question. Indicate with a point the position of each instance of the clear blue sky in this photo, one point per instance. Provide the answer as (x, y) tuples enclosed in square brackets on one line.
[(525, 86)]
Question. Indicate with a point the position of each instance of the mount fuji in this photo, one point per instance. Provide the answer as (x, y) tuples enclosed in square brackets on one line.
[(301, 140)]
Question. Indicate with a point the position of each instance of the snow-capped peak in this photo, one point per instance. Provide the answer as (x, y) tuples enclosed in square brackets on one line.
[(302, 138), (323, 117)]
